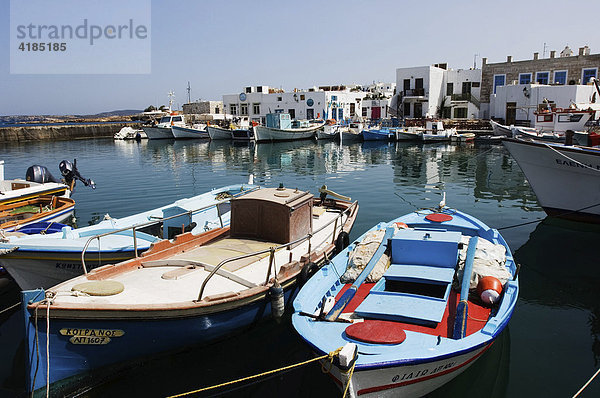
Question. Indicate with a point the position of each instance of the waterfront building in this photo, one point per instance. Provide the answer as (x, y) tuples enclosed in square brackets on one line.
[(202, 107), (376, 103), (328, 102), (565, 70), (436, 91)]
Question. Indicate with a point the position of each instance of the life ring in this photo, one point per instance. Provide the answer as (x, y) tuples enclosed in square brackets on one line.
[(342, 241)]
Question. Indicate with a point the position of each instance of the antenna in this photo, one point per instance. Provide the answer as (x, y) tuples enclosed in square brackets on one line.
[(189, 91), (475, 60), (544, 52)]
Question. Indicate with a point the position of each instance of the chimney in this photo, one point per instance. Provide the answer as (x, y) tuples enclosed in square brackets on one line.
[(509, 58), (552, 54), (581, 50), (483, 61), (536, 56)]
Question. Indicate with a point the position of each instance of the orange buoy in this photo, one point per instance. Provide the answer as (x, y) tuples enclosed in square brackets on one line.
[(489, 289), (401, 225)]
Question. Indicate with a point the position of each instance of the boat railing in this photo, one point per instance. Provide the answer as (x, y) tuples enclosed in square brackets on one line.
[(154, 221), (288, 245)]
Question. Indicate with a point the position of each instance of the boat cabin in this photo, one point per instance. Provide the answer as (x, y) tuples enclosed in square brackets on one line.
[(278, 215), (279, 120)]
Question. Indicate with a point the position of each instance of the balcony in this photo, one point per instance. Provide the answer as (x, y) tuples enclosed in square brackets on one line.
[(417, 92), (466, 97)]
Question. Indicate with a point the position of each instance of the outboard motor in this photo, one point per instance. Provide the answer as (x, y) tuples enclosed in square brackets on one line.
[(39, 174), (70, 173)]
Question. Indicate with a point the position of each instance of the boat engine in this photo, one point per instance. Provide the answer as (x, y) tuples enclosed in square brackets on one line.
[(39, 174), (70, 173)]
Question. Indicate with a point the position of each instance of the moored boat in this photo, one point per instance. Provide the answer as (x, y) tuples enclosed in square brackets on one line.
[(45, 260), (196, 131), (403, 328), (20, 214), (129, 133), (281, 128), (190, 291), (162, 130), (435, 132), (329, 131), (218, 133), (563, 177), (382, 134), (411, 133)]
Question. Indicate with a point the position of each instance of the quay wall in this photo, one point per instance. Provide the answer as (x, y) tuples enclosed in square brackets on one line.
[(58, 132)]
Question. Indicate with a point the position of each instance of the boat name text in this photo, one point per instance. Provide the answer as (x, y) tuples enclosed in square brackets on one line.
[(91, 336), (580, 165), (424, 372)]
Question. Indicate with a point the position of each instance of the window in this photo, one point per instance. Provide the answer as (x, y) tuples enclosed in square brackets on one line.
[(352, 109), (310, 113), (256, 109), (406, 108), (572, 118), (524, 78), (233, 109), (542, 77), (449, 88), (406, 84), (446, 112), (560, 77), (176, 119), (278, 98), (340, 113), (334, 97), (248, 89), (545, 118), (476, 84), (460, 113), (587, 74), (364, 111), (419, 83), (243, 109), (466, 88), (292, 113), (217, 110), (302, 97), (259, 89), (499, 80)]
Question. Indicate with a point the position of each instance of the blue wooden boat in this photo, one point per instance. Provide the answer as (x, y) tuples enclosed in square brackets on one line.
[(189, 291), (42, 227), (45, 260), (410, 332), (383, 134)]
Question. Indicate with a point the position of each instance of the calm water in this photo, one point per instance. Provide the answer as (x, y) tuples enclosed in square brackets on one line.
[(552, 345)]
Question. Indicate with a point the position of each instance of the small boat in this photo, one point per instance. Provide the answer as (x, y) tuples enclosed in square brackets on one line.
[(521, 132), (190, 291), (409, 134), (196, 131), (463, 137), (435, 132), (382, 134), (218, 133), (45, 260), (564, 178), (42, 227), (404, 329), (43, 208), (329, 132), (129, 133), (501, 130), (243, 134), (351, 132), (162, 130), (280, 127)]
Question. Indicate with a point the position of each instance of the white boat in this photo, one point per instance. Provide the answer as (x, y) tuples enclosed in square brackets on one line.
[(196, 131), (463, 137), (564, 178), (524, 132), (409, 134), (218, 133), (163, 129), (281, 128), (19, 189), (44, 260), (351, 132), (435, 132), (500, 130), (328, 132), (129, 133)]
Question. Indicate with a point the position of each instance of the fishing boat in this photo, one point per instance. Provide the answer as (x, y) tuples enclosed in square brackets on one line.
[(563, 177), (196, 131), (403, 328), (20, 214), (45, 260), (540, 135), (243, 134), (382, 134), (463, 137), (218, 133), (129, 133), (435, 132), (351, 132), (189, 291), (329, 131), (162, 130), (280, 127), (500, 129), (411, 133)]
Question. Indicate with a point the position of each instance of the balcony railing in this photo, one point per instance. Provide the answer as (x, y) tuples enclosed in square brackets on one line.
[(465, 97), (417, 92)]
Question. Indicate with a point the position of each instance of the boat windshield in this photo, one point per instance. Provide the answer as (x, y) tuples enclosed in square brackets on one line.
[(165, 119)]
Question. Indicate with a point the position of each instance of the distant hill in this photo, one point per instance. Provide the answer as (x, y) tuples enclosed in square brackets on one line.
[(123, 112)]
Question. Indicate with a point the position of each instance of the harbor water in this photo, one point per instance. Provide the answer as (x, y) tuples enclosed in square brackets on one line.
[(550, 348)]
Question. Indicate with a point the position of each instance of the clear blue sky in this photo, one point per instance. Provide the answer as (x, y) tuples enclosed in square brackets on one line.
[(222, 46)]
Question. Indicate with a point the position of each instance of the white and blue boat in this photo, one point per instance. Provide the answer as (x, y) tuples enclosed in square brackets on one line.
[(383, 134), (410, 332), (184, 132), (45, 260), (185, 292)]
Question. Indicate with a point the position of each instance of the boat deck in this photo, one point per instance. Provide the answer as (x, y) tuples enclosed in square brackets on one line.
[(179, 277)]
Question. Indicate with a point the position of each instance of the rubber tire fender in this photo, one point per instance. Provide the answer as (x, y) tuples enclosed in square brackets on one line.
[(306, 272), (342, 241)]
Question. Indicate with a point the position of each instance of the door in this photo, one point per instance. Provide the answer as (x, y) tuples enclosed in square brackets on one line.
[(310, 113), (376, 112), (511, 113), (418, 110), (292, 113)]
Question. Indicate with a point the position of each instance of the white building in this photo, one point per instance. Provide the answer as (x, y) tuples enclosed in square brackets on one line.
[(376, 103), (327, 102), (435, 92), (515, 103)]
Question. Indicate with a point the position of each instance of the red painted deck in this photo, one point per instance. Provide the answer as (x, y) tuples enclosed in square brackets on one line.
[(478, 314)]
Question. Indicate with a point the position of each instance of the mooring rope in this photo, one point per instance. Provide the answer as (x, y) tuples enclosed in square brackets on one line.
[(10, 308), (571, 159), (586, 384), (330, 356)]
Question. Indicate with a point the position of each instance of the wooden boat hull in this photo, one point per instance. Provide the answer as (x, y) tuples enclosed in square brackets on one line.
[(564, 178), (378, 135), (158, 133), (218, 133), (188, 133), (264, 133), (500, 130), (243, 134), (47, 208)]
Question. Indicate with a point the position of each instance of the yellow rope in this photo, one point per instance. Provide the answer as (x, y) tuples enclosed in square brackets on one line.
[(350, 373), (329, 356)]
